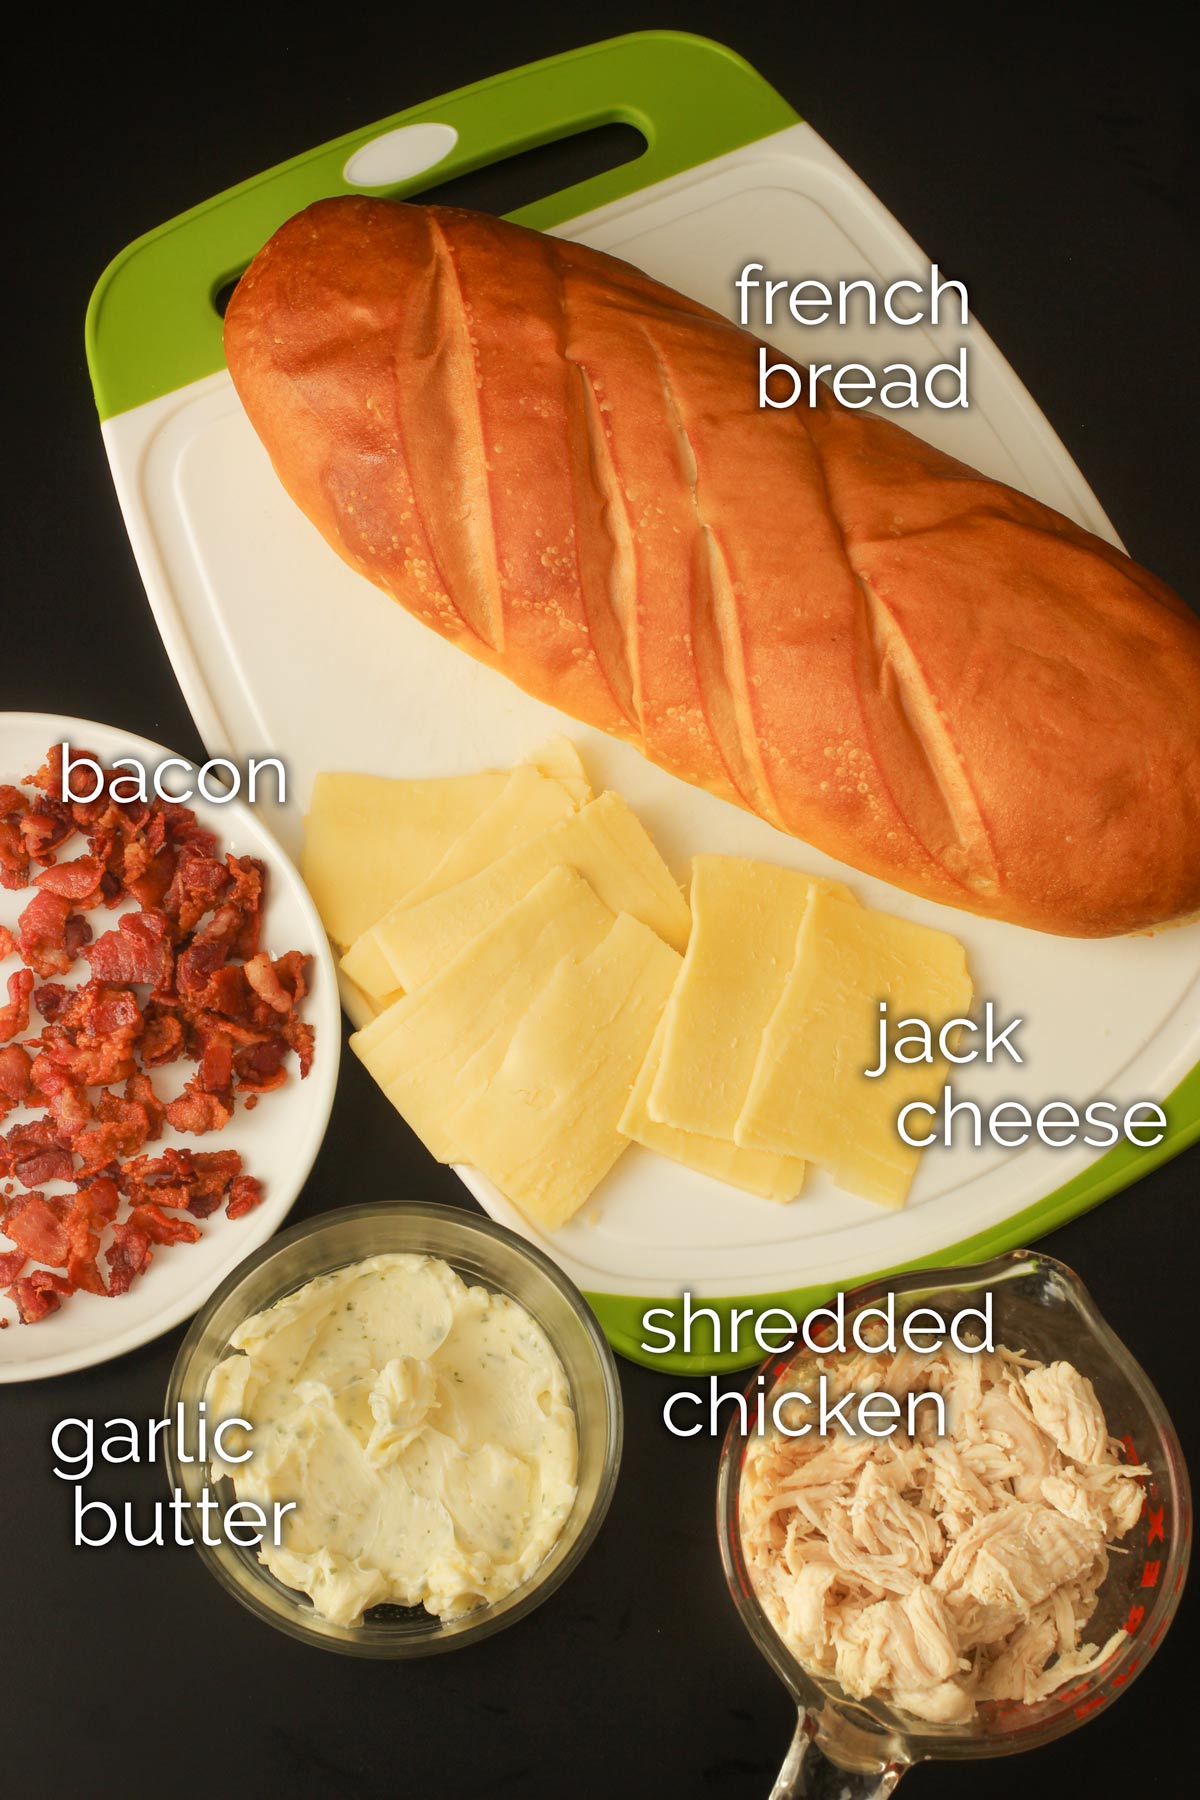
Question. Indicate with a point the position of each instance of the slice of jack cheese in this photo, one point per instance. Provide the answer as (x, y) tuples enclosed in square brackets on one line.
[(545, 1127), (810, 1096), (755, 1171), (368, 840), (434, 1047), (528, 804), (559, 758), (746, 917), (604, 841)]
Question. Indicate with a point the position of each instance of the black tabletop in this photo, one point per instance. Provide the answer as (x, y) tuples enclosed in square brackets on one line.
[(1049, 163)]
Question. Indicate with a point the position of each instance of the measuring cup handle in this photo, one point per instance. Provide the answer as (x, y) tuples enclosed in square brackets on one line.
[(808, 1773)]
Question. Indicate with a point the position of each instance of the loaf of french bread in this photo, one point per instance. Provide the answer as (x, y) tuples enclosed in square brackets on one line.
[(562, 466)]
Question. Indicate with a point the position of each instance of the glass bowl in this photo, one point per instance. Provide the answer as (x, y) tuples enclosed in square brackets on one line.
[(483, 1253), (860, 1748)]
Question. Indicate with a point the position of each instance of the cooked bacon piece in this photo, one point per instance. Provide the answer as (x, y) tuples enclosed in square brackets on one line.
[(259, 1067), (89, 1063), (13, 801), (83, 1227), (215, 1074), (137, 950), (147, 874), (104, 1197), (282, 984), (42, 934), (14, 1015), (8, 943), (11, 1264), (163, 1038), (244, 1195), (236, 921), (173, 823), (122, 1127), (66, 1102), (14, 857), (140, 1090), (50, 1000), (33, 1226), (302, 1039), (229, 994), (197, 1180), (101, 1009), (128, 1255), (164, 1227), (34, 1153), (249, 885), (198, 883), (36, 1296), (15, 1085), (49, 777), (196, 1111), (77, 881), (45, 828), (78, 933)]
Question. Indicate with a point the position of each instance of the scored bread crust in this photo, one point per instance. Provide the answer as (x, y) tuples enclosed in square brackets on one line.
[(560, 465)]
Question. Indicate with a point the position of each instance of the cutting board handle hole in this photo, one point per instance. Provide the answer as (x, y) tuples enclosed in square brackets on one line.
[(513, 181), (528, 175)]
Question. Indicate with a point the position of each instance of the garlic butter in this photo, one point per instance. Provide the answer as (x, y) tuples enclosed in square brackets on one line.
[(423, 1429)]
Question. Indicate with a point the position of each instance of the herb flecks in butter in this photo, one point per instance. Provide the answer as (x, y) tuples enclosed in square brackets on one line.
[(424, 1429)]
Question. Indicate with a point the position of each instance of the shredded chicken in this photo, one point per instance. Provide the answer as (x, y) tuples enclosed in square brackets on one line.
[(935, 1573)]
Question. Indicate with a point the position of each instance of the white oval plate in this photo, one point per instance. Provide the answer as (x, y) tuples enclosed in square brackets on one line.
[(278, 1140)]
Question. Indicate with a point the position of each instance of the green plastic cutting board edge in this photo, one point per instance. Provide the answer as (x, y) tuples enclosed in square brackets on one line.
[(152, 327), (621, 1314)]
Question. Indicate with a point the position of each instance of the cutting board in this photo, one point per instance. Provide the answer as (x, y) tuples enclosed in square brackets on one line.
[(279, 647)]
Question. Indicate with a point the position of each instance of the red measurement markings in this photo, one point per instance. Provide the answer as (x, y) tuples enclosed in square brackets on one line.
[(1150, 1574), (1155, 1529)]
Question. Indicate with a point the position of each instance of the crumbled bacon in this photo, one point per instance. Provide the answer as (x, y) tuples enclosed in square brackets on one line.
[(50, 1000), (11, 1264), (180, 975), (197, 1111), (162, 1039), (36, 1296), (128, 1255), (41, 934), (77, 881), (195, 1180), (198, 883), (121, 1127), (14, 1015), (164, 1227), (33, 1226), (244, 1195), (15, 1087), (138, 950), (281, 984), (259, 1067), (45, 828), (14, 857)]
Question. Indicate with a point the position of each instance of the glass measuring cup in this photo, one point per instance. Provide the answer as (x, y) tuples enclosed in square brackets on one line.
[(846, 1749)]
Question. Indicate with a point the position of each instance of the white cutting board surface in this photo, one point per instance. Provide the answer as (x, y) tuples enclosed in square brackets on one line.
[(280, 648)]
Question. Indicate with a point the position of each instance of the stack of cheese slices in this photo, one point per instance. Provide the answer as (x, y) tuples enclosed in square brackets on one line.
[(543, 994)]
